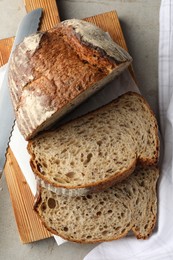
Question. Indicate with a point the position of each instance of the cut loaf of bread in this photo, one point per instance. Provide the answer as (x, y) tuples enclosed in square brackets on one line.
[(103, 216), (52, 72), (96, 150)]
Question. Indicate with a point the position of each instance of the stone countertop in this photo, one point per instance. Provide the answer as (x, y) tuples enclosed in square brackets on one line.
[(140, 23)]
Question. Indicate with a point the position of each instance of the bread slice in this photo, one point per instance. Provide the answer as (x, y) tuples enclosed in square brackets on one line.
[(52, 72), (96, 150), (103, 216)]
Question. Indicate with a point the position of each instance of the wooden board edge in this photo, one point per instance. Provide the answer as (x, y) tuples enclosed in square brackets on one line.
[(5, 48), (50, 12), (29, 225)]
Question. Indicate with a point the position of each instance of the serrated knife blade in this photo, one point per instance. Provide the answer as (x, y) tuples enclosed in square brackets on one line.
[(29, 25)]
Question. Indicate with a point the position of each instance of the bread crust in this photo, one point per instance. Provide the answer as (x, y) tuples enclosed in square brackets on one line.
[(53, 231), (104, 183), (52, 72), (131, 227), (140, 236), (82, 189), (95, 39)]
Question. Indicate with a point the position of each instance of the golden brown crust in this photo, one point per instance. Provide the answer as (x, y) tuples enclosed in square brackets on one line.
[(55, 72), (96, 39), (94, 56)]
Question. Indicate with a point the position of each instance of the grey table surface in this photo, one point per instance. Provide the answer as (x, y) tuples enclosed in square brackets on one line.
[(140, 23)]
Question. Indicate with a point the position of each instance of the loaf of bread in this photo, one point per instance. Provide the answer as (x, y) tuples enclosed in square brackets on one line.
[(52, 72), (103, 216), (96, 150)]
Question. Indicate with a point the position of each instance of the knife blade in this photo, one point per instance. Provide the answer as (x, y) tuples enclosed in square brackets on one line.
[(29, 25)]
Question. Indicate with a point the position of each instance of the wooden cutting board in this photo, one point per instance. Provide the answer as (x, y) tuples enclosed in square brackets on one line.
[(29, 226)]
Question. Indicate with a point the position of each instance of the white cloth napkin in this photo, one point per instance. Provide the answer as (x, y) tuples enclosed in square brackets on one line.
[(160, 244)]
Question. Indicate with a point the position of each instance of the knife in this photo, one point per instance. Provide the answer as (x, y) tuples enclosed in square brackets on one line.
[(29, 25)]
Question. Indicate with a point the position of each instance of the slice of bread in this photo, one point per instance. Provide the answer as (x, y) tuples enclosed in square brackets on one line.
[(103, 216), (97, 150), (52, 72)]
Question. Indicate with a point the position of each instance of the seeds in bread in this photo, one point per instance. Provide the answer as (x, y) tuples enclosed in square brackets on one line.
[(97, 150), (103, 216), (52, 72)]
